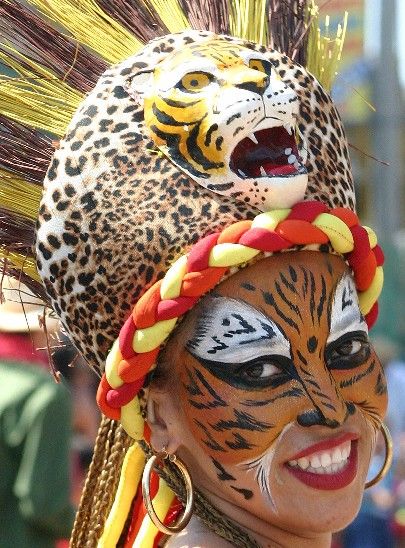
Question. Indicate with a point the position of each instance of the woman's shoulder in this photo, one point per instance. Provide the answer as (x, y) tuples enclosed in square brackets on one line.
[(197, 535)]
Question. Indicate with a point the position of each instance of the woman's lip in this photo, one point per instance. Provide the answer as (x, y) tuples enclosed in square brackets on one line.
[(325, 445), (329, 482)]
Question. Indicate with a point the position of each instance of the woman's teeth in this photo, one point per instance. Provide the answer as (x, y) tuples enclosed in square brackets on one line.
[(324, 462)]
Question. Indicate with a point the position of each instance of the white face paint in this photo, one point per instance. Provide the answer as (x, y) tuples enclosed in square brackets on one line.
[(232, 331), (345, 315), (260, 466)]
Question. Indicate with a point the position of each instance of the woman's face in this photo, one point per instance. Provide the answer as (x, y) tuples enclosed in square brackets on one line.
[(280, 393)]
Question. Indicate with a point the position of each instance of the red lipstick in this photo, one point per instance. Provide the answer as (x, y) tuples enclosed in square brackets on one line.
[(327, 482), (325, 445)]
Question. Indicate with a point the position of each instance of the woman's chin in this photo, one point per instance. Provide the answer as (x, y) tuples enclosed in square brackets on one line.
[(318, 512)]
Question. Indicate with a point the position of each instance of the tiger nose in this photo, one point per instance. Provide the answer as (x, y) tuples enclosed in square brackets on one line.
[(255, 86)]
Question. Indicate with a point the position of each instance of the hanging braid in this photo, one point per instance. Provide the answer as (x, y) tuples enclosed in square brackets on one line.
[(101, 484)]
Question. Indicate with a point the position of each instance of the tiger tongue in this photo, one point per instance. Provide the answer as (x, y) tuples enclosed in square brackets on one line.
[(273, 170)]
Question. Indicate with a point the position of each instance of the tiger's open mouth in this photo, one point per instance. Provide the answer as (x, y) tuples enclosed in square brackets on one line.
[(271, 152)]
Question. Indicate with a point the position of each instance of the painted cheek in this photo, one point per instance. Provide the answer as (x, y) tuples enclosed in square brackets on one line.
[(366, 387), (225, 421)]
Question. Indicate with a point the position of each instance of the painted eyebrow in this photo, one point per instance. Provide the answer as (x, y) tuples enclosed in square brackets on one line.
[(231, 330), (345, 311)]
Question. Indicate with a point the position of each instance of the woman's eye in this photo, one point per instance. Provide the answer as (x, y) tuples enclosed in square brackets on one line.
[(260, 371), (348, 353), (195, 81), (349, 348)]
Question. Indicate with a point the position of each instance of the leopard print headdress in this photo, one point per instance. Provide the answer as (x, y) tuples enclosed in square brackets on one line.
[(191, 157), (120, 199)]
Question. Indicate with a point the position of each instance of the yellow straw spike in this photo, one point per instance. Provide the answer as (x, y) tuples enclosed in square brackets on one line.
[(91, 26), (247, 20), (323, 52), (18, 196), (20, 262), (171, 13), (36, 97), (129, 479)]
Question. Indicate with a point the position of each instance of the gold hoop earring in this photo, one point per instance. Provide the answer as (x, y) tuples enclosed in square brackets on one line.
[(388, 457), (155, 459)]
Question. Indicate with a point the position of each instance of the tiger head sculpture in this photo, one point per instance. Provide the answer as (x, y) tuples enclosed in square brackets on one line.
[(222, 114)]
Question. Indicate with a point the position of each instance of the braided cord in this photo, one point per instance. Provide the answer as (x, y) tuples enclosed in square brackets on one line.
[(155, 314), (211, 516)]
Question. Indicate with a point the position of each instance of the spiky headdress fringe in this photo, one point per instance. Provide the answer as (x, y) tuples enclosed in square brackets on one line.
[(55, 51)]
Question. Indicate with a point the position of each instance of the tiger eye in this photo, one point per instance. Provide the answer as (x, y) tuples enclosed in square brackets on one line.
[(195, 81), (260, 65)]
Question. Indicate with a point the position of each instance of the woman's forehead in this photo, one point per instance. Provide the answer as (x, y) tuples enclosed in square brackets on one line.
[(295, 270), (298, 288)]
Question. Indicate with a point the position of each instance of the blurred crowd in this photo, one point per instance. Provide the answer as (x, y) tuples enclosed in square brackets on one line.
[(48, 429), (48, 424)]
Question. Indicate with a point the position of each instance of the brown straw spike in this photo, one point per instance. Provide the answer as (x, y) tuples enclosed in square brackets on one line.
[(137, 16), (207, 15), (34, 37), (24, 151), (288, 30)]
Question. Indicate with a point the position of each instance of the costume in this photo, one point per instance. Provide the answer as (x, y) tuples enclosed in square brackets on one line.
[(197, 156)]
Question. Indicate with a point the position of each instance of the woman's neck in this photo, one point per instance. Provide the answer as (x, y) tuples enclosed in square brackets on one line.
[(266, 534)]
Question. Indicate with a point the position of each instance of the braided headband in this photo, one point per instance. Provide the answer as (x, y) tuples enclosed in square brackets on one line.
[(154, 316)]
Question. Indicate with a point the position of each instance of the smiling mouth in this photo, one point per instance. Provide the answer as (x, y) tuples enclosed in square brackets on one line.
[(270, 152), (327, 469)]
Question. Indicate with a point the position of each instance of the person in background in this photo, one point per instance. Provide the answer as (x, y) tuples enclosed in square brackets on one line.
[(35, 430)]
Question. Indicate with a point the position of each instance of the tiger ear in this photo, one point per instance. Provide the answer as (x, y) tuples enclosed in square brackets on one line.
[(139, 85)]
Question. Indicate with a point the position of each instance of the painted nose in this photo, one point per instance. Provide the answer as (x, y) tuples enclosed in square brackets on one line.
[(317, 417), (255, 86), (327, 405)]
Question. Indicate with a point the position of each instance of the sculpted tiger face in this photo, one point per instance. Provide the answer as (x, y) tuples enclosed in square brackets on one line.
[(280, 392), (221, 113)]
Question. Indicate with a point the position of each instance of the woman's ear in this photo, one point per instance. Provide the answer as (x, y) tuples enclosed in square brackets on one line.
[(161, 418)]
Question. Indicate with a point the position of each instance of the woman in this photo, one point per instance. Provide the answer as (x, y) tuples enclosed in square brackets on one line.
[(207, 178)]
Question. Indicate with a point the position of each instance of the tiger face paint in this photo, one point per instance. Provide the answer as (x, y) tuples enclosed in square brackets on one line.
[(281, 391), (220, 112)]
